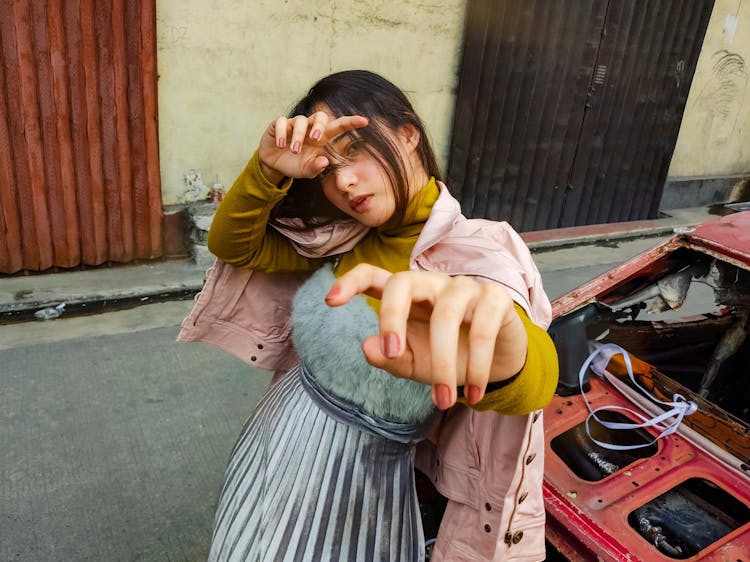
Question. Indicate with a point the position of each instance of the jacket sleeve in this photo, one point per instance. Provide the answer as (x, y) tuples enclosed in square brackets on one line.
[(239, 234), (533, 387)]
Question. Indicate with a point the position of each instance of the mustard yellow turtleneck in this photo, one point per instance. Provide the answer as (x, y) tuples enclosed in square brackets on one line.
[(239, 237), (389, 246)]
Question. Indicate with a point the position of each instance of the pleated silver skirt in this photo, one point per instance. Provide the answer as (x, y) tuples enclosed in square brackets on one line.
[(302, 485)]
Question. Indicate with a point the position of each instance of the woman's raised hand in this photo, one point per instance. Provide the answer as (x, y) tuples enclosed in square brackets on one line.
[(440, 330), (293, 146)]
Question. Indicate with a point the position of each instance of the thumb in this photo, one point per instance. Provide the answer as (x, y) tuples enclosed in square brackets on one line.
[(316, 166)]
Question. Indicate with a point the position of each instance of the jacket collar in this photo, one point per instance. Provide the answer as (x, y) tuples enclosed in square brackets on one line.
[(322, 241), (445, 214), (341, 236)]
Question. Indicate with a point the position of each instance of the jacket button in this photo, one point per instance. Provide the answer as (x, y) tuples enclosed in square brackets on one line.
[(260, 346), (253, 358), (517, 537), (487, 528), (487, 506), (530, 458), (508, 538), (536, 417), (523, 497)]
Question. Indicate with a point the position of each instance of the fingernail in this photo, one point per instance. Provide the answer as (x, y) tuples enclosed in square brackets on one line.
[(315, 135), (390, 345), (441, 395), (295, 147), (335, 290), (473, 393)]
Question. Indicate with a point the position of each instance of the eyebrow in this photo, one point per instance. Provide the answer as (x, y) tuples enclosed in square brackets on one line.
[(338, 152), (347, 134)]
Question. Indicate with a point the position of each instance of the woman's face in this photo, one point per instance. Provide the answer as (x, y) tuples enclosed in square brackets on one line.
[(357, 184)]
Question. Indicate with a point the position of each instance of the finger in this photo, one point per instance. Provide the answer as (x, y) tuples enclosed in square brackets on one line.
[(319, 121), (406, 294), (401, 367), (450, 309), (395, 305), (299, 131), (280, 131), (343, 124), (363, 278), (485, 326)]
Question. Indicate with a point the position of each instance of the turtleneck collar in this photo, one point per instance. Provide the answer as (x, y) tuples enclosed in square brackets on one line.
[(416, 214), (389, 246)]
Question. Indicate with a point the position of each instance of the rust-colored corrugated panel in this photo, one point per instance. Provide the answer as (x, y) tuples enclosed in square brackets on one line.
[(568, 110), (11, 253), (80, 172)]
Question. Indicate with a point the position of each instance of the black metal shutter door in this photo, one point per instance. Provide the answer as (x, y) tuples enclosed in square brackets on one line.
[(554, 99), (637, 97)]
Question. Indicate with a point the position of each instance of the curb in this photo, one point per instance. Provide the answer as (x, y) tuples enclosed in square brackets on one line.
[(96, 303), (538, 242)]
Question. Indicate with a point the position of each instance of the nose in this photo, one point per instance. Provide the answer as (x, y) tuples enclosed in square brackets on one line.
[(345, 179)]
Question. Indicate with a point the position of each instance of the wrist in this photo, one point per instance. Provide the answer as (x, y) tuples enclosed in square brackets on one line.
[(271, 174), (511, 349)]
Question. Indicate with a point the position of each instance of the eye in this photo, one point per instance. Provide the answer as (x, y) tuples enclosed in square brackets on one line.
[(353, 148), (328, 170)]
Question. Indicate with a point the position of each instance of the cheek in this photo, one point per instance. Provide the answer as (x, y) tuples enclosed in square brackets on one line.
[(333, 196), (329, 190)]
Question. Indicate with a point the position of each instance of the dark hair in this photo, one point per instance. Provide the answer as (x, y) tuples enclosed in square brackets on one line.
[(360, 92)]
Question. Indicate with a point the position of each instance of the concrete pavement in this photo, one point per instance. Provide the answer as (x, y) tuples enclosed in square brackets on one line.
[(115, 437)]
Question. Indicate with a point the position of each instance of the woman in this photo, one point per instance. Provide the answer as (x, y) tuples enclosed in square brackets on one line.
[(323, 469)]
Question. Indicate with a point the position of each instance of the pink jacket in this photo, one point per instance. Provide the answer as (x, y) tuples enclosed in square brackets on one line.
[(489, 466)]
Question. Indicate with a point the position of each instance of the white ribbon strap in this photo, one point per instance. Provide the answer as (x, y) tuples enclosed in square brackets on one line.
[(679, 407)]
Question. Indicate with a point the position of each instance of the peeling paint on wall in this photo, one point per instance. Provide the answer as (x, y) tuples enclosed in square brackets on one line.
[(195, 189), (730, 27)]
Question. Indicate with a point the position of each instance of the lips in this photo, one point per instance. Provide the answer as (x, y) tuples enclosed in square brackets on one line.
[(360, 203)]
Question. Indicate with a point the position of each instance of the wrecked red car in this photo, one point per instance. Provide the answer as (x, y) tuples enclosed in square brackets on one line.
[(648, 436)]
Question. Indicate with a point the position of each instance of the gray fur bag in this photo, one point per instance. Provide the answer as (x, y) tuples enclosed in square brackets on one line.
[(329, 340)]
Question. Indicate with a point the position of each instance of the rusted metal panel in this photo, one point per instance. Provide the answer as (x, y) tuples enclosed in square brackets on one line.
[(725, 237), (602, 523), (11, 252), (568, 111), (729, 235), (719, 427), (621, 505), (79, 172)]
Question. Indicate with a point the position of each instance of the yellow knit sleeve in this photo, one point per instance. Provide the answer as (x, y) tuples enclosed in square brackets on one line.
[(239, 234), (533, 387)]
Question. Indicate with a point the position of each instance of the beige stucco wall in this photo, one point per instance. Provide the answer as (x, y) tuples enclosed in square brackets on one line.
[(714, 137), (228, 67)]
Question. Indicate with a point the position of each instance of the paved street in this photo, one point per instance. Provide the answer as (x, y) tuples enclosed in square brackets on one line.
[(115, 437), (114, 445)]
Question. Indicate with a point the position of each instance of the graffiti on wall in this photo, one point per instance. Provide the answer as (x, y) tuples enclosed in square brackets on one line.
[(721, 100)]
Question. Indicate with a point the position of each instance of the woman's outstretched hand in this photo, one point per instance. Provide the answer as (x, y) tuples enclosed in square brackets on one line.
[(440, 330), (293, 146)]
